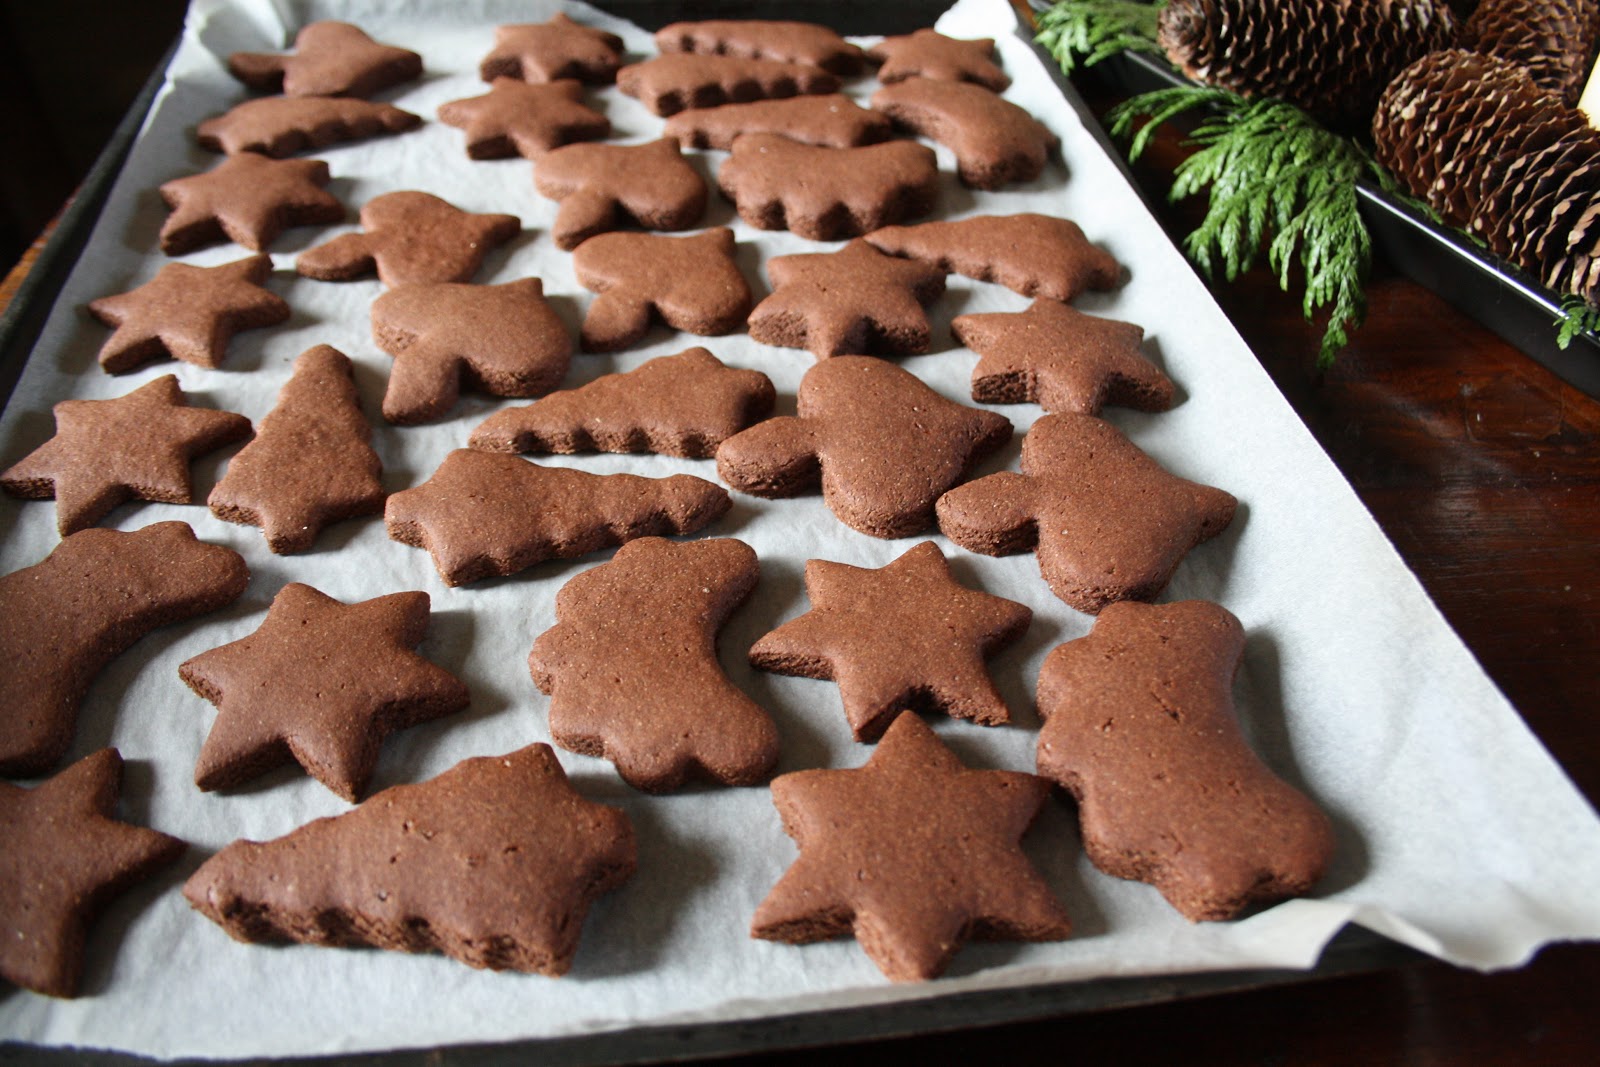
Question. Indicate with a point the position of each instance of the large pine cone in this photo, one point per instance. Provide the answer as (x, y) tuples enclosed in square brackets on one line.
[(1553, 39), (1331, 58), (1495, 154)]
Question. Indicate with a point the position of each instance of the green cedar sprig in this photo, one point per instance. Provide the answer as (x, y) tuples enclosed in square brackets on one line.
[(1277, 180), (1083, 32), (1578, 316)]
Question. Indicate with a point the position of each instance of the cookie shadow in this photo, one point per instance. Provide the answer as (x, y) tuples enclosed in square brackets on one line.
[(940, 313), (142, 235)]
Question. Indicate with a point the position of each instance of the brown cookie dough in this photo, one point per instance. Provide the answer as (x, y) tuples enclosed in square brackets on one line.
[(670, 83), (833, 120), (494, 863), (1035, 255), (682, 405), (329, 59), (248, 199), (551, 51), (85, 604), (281, 126), (482, 514), (606, 186), (1140, 728), (411, 238), (930, 54), (690, 283), (880, 443), (912, 854), (790, 42), (995, 141), (631, 666), (520, 119)]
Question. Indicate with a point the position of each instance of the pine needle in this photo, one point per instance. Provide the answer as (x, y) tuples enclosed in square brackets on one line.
[(1578, 316), (1083, 32)]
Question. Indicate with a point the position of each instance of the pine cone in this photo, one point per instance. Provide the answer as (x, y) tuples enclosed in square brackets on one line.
[(1553, 39), (1331, 58), (1495, 154)]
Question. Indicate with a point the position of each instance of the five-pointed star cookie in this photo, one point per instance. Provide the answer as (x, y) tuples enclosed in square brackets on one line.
[(411, 238), (105, 452), (930, 54), (549, 51), (855, 301), (189, 313), (66, 857), (517, 118), (603, 186), (329, 59), (1035, 255), (1107, 522), (913, 854), (1062, 359), (248, 199), (320, 682), (905, 637)]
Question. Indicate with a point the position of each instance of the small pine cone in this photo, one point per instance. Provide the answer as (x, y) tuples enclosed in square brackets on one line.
[(1553, 39), (1332, 58)]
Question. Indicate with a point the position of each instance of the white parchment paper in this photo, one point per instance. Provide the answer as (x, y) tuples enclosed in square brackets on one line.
[(1457, 833)]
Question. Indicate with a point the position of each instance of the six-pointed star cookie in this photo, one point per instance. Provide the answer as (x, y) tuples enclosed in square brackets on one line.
[(930, 54), (1035, 255), (905, 637), (66, 857), (411, 238), (189, 313), (855, 301), (913, 853), (549, 51), (248, 199), (1062, 359), (105, 452), (516, 118), (322, 683), (329, 59), (603, 186)]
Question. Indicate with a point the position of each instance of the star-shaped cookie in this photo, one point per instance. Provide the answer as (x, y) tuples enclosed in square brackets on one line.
[(995, 141), (855, 301), (905, 637), (311, 462), (930, 54), (66, 857), (882, 445), (1108, 522), (1062, 359), (188, 313), (913, 854), (549, 51), (105, 452), (691, 283), (248, 199), (411, 238), (329, 59), (516, 118), (1035, 255), (322, 683), (604, 186)]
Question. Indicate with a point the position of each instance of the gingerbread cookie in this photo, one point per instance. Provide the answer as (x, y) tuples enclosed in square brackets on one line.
[(682, 405), (828, 193), (912, 854), (995, 141), (631, 666), (873, 632), (690, 283), (187, 313), (791, 42), (411, 238), (67, 856), (483, 514), (281, 126), (1062, 359), (854, 301), (310, 463), (516, 118), (1108, 523), (389, 874), (135, 447), (1035, 255), (319, 683), (606, 186), (1140, 728), (553, 50), (248, 199), (930, 54), (329, 59), (670, 83), (85, 604), (833, 120), (882, 445), (504, 340)]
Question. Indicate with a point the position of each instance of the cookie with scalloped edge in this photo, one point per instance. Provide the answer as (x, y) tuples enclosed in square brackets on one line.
[(606, 186), (670, 83), (1035, 255), (789, 41), (995, 141), (329, 59), (833, 120), (690, 283), (281, 126)]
